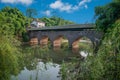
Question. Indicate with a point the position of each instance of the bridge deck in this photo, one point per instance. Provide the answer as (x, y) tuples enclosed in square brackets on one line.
[(65, 27)]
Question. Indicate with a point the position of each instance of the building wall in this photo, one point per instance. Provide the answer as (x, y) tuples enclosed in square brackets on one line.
[(38, 24), (41, 24)]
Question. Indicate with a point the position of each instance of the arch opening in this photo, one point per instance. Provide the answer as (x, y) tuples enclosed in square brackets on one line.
[(33, 41), (44, 41), (60, 42), (82, 43)]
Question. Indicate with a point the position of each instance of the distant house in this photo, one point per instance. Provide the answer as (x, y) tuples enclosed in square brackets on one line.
[(37, 24)]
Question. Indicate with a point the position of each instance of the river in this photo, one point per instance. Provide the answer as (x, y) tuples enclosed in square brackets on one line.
[(45, 63)]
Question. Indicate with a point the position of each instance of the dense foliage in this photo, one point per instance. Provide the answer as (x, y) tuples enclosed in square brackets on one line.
[(109, 51), (8, 49), (14, 20), (107, 15), (8, 57)]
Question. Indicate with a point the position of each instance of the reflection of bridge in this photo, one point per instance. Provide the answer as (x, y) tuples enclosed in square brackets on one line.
[(72, 32)]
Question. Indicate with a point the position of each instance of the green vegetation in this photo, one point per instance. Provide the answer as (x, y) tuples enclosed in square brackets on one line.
[(9, 53), (108, 54), (107, 15), (105, 65), (30, 13), (55, 21), (13, 19)]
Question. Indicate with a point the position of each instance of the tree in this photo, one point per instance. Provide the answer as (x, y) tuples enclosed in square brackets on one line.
[(14, 20), (30, 13), (55, 21), (8, 50), (107, 15)]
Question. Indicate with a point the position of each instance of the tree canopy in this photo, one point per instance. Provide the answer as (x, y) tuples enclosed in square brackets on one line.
[(12, 19), (8, 42), (107, 15), (30, 13)]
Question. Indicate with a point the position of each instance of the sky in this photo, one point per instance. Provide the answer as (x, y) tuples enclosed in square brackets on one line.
[(78, 11)]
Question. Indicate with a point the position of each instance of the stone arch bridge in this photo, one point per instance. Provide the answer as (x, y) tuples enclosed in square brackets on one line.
[(72, 32)]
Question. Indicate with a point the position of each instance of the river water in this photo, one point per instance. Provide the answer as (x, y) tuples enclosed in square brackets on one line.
[(43, 71), (44, 63)]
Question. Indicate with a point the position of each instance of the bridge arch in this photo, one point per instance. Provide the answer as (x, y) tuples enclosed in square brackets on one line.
[(59, 40), (44, 40), (33, 40), (82, 43), (72, 33)]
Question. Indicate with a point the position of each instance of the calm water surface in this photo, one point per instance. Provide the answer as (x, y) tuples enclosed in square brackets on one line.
[(48, 71), (43, 63)]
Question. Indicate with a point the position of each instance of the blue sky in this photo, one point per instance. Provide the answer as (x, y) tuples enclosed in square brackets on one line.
[(78, 11)]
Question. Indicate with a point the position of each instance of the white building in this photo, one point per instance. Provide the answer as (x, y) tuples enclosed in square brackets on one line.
[(37, 24)]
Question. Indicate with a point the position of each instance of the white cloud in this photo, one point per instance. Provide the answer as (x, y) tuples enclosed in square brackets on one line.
[(47, 12), (26, 2), (59, 5), (83, 2), (56, 5)]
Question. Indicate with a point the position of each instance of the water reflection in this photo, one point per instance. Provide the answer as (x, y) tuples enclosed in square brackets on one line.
[(43, 71), (44, 63)]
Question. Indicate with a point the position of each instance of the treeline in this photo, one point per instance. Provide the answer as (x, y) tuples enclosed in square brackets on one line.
[(55, 21)]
